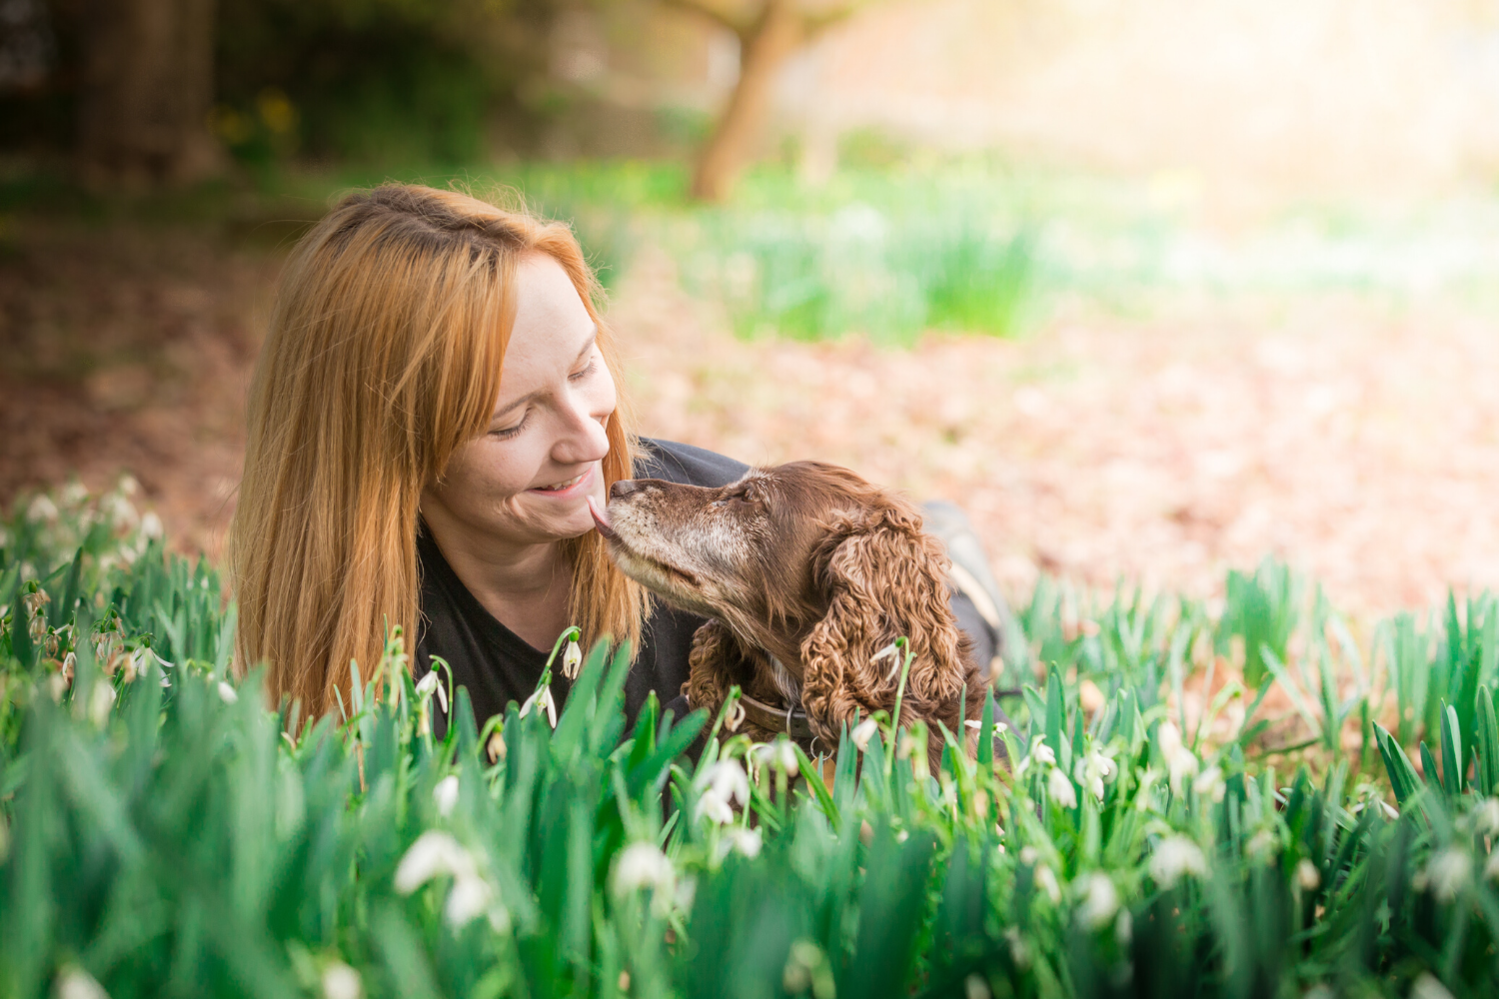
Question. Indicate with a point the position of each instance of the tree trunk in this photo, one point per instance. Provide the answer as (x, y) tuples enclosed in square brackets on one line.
[(763, 50), (147, 91)]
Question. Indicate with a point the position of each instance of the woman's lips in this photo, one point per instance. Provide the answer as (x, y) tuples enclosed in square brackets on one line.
[(568, 488)]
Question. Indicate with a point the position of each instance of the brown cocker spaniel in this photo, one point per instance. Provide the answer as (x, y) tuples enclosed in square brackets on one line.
[(807, 572)]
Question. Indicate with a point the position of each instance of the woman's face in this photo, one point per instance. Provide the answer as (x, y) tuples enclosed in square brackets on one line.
[(528, 478)]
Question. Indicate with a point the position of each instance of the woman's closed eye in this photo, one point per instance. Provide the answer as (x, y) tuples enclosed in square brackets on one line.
[(505, 433)]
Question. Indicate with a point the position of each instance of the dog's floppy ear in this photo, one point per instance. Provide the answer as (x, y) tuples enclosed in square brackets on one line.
[(713, 666), (883, 578)]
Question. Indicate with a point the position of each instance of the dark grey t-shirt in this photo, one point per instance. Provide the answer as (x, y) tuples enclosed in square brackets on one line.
[(498, 666)]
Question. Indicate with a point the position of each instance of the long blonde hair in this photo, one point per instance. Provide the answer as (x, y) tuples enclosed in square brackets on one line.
[(383, 357)]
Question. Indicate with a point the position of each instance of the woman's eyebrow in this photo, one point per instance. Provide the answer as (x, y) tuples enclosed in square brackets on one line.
[(593, 337)]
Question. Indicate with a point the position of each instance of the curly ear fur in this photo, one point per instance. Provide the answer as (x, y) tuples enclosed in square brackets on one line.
[(886, 579), (717, 662)]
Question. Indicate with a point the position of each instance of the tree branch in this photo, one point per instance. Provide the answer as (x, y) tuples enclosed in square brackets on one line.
[(815, 24), (738, 26)]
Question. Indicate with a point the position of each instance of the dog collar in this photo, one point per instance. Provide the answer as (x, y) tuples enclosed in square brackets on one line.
[(791, 721)]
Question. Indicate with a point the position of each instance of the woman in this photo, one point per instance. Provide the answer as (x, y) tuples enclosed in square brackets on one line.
[(435, 402)]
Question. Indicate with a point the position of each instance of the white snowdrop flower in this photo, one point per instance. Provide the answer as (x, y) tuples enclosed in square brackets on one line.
[(1210, 784), (572, 659), (1180, 761), (714, 808), (1389, 811), (1061, 789), (1169, 738), (685, 893), (1100, 901), (1448, 873), (43, 510), (642, 865), (891, 652), (544, 696), (445, 793), (100, 700), (780, 754), (1261, 845), (75, 983), (57, 685), (1307, 875), (341, 982), (468, 900), (863, 732), (727, 779), (1427, 987), (1124, 928), (431, 685), (1047, 882), (1175, 856), (1029, 855), (723, 784), (1485, 817), (433, 854), (1040, 755), (73, 494), (1018, 951), (735, 716), (974, 987), (1183, 765), (151, 527), (227, 693), (745, 841), (1491, 868), (1092, 769)]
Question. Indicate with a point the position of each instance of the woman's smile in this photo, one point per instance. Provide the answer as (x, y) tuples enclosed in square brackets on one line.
[(570, 487)]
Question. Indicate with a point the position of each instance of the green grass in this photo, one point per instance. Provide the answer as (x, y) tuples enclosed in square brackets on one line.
[(164, 832), (975, 245)]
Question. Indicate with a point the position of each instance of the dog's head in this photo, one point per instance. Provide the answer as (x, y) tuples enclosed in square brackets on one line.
[(809, 562)]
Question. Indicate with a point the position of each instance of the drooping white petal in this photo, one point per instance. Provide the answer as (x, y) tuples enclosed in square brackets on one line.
[(446, 795)]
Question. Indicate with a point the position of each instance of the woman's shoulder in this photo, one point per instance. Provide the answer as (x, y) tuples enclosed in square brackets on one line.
[(684, 463)]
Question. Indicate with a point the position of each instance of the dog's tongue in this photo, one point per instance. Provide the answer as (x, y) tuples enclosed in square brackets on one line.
[(600, 518)]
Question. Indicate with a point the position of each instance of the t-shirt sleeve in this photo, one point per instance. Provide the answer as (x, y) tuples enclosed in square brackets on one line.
[(686, 464)]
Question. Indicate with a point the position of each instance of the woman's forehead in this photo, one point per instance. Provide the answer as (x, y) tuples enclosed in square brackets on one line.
[(552, 332)]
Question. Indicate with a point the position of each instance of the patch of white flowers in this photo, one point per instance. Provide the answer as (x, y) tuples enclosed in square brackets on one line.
[(445, 794), (341, 982), (1180, 762), (720, 787), (779, 755), (641, 866), (1174, 857), (1447, 874), (1100, 901), (1093, 769), (436, 854)]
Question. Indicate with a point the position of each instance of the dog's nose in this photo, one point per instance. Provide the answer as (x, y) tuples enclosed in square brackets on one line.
[(623, 488)]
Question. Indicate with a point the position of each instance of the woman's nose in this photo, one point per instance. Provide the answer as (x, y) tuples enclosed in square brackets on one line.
[(585, 438)]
